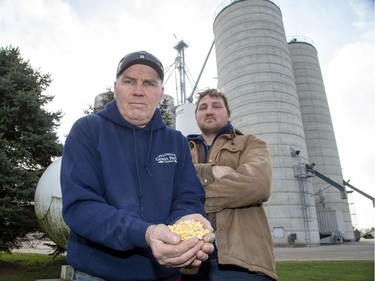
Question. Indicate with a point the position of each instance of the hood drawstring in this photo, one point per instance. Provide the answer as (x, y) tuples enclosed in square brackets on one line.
[(140, 194), (149, 153)]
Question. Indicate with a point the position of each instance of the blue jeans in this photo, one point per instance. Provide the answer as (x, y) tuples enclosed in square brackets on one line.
[(81, 276), (211, 270)]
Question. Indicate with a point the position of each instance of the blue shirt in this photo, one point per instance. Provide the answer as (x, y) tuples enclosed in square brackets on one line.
[(118, 179)]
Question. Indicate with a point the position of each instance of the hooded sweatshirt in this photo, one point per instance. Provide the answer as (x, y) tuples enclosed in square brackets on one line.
[(118, 179)]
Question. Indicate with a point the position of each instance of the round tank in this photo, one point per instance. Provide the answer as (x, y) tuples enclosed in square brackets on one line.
[(99, 100), (255, 71), (319, 133), (185, 119), (48, 205)]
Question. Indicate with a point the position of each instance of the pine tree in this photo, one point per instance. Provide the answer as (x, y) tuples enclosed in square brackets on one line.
[(105, 97), (28, 144), (164, 109)]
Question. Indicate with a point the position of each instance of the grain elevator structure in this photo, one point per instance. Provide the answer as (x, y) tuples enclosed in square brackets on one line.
[(276, 92)]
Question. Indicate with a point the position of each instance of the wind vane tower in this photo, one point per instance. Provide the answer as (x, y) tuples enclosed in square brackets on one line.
[(185, 117)]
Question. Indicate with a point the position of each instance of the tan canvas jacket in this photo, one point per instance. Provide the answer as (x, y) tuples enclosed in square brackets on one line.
[(243, 236)]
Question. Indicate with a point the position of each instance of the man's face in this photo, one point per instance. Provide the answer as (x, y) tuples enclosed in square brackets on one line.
[(211, 114), (138, 92)]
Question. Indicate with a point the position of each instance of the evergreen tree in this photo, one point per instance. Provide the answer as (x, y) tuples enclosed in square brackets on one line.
[(105, 97), (28, 144), (164, 109)]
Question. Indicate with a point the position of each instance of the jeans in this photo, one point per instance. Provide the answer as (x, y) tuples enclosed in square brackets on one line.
[(81, 276), (210, 270)]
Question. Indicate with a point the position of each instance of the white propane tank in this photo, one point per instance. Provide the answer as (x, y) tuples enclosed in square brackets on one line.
[(185, 119), (48, 205)]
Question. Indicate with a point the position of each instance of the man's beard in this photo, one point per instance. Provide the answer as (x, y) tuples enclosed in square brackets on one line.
[(210, 130)]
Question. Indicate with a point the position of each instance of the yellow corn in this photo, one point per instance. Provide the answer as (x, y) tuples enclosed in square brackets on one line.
[(188, 229)]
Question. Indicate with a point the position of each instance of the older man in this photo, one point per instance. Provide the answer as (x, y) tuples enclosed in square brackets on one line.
[(125, 176)]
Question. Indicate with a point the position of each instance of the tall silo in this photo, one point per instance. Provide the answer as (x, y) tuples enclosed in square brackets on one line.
[(255, 71), (331, 204)]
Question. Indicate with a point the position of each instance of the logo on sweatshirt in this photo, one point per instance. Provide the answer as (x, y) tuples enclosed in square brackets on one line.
[(167, 157)]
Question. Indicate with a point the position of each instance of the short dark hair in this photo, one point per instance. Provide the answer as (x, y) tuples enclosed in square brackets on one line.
[(212, 93)]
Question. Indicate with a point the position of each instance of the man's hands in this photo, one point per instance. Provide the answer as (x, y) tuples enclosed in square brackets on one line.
[(169, 250)]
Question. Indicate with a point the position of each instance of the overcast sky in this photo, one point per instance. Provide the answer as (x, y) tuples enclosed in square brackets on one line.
[(80, 42)]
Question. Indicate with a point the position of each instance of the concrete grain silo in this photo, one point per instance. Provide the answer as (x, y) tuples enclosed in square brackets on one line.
[(255, 71), (331, 204)]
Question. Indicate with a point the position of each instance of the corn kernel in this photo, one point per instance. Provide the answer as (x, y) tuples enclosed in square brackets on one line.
[(188, 229)]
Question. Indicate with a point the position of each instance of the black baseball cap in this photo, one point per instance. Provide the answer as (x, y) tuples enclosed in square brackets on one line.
[(141, 57)]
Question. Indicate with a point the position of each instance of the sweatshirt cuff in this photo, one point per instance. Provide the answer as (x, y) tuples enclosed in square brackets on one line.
[(138, 235)]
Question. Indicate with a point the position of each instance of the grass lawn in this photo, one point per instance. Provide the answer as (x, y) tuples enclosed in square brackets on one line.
[(29, 267), (325, 270)]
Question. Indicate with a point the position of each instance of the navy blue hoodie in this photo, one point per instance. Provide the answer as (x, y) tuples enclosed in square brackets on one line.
[(117, 180)]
